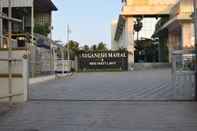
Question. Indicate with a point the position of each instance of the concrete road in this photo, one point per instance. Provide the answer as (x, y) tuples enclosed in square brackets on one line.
[(137, 85)]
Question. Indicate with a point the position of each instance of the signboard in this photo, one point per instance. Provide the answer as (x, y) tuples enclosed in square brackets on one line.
[(88, 60)]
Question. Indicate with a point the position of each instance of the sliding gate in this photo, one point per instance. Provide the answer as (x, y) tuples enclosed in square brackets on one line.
[(183, 74)]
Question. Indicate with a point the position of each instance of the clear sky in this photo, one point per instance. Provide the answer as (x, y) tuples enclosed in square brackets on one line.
[(90, 20)]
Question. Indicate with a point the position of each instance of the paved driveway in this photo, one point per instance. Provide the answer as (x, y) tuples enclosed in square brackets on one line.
[(102, 116), (50, 114), (137, 85)]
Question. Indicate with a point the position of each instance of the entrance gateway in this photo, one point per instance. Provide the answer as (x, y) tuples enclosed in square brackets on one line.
[(124, 31), (177, 33)]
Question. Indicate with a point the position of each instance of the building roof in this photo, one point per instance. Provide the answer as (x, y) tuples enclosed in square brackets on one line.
[(44, 5), (39, 5)]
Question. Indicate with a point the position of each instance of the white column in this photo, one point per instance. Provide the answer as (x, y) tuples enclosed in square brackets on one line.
[(32, 40), (1, 27), (25, 80), (130, 41)]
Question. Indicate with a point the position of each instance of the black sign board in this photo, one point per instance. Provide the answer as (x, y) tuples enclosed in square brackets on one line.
[(102, 60)]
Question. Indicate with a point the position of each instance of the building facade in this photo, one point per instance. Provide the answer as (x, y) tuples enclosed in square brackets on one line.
[(34, 14), (179, 26), (31, 12)]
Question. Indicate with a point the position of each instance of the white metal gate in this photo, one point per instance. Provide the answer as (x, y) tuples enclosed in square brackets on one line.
[(183, 74), (62, 67)]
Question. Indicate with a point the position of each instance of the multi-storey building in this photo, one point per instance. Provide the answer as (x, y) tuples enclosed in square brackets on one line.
[(34, 14), (31, 12)]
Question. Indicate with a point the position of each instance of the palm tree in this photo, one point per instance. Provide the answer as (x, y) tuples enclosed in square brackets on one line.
[(73, 47), (94, 47), (138, 26), (101, 47), (86, 48)]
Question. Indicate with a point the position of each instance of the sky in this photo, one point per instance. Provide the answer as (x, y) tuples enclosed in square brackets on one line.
[(89, 20)]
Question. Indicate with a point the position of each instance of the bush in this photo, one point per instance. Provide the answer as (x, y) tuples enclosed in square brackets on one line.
[(42, 29)]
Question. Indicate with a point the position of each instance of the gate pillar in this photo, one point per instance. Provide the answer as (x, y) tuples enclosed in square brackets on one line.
[(187, 35), (130, 41), (173, 43)]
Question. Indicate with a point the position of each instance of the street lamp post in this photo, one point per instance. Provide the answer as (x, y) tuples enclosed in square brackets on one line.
[(68, 37), (68, 47), (195, 28), (51, 51)]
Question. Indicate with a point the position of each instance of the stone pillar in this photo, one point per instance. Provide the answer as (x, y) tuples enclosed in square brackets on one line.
[(187, 35), (170, 43), (130, 41), (174, 43)]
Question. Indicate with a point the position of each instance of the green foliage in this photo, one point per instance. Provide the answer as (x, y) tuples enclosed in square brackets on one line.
[(86, 48), (101, 46), (73, 49), (164, 52), (94, 47), (122, 49), (42, 29), (146, 51), (138, 24)]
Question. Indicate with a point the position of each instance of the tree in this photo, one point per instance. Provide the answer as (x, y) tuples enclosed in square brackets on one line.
[(73, 49), (86, 48), (94, 47), (138, 26), (101, 47), (146, 51), (122, 49)]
